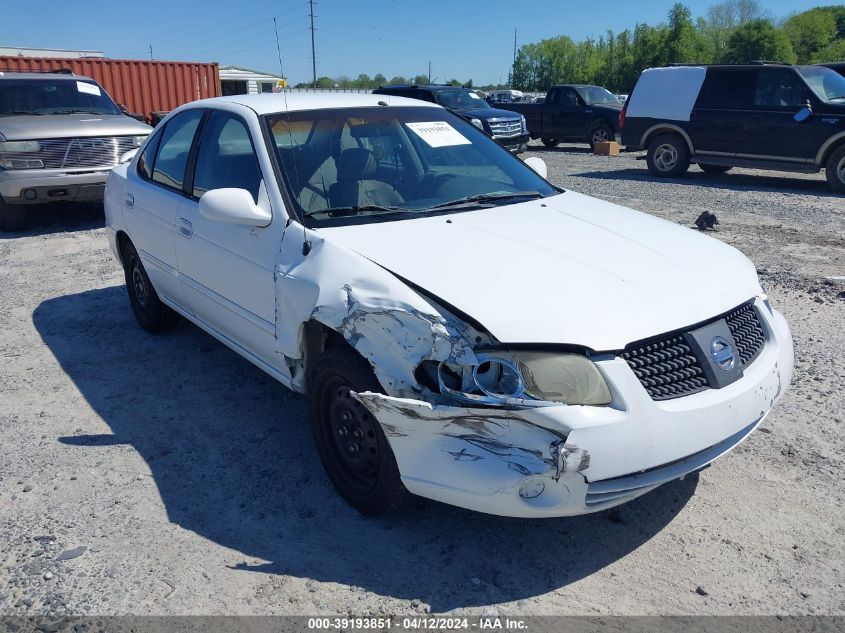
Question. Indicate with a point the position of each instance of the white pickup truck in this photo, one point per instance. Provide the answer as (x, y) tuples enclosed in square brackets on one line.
[(464, 330)]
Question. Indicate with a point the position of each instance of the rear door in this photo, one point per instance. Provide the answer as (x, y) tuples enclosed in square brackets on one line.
[(773, 133), (227, 269), (563, 113), (717, 121), (152, 196)]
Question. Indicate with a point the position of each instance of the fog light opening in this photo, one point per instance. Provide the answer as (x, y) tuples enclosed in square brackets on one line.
[(532, 488), (30, 194)]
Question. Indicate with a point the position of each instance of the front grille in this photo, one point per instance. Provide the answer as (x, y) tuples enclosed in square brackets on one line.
[(506, 129), (667, 368), (70, 153), (747, 332)]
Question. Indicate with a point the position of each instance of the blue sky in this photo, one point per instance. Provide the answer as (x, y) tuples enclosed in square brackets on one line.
[(394, 37)]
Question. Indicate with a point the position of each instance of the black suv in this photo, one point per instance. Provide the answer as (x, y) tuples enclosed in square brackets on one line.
[(506, 127), (762, 115)]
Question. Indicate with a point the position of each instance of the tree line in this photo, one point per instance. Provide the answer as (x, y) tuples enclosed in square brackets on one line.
[(732, 32)]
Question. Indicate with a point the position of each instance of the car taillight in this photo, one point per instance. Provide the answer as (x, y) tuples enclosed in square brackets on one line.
[(622, 116)]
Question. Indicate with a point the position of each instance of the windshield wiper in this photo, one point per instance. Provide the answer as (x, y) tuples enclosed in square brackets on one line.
[(488, 197), (24, 112), (339, 212)]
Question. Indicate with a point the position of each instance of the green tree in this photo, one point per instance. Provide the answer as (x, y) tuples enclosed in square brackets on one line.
[(399, 79), (757, 40), (325, 82), (683, 43), (813, 30), (421, 80), (379, 80)]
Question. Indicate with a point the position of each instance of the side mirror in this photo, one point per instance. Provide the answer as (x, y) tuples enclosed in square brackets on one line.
[(233, 206), (538, 165), (803, 114)]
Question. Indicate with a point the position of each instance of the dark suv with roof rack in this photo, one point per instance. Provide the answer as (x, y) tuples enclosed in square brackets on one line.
[(760, 115), (507, 128)]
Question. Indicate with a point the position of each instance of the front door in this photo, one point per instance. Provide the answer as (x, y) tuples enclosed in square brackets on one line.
[(563, 114), (773, 133), (227, 269)]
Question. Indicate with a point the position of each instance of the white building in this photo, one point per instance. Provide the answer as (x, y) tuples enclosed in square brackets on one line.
[(242, 81), (22, 51)]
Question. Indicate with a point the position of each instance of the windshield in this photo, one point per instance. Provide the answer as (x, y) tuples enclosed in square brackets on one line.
[(828, 84), (53, 96), (359, 165), (593, 95), (460, 99)]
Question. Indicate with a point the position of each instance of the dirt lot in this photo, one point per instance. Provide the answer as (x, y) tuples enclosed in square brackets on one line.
[(164, 474)]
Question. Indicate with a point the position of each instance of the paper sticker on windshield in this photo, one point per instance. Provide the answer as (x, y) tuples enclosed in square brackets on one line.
[(438, 133), (87, 88), (474, 96)]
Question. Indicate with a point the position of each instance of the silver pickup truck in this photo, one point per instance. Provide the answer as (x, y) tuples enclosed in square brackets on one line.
[(60, 135)]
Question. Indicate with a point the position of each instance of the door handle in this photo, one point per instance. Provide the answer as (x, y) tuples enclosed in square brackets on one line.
[(130, 200), (186, 229)]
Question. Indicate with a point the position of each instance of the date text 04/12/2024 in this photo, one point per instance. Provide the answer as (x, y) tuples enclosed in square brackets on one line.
[(418, 623)]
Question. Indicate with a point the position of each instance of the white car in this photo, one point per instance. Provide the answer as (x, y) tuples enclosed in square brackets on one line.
[(465, 331)]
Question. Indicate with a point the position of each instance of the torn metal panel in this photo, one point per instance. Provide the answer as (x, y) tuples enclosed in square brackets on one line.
[(382, 318)]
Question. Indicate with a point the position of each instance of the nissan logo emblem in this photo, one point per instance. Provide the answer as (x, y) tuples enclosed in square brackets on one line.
[(722, 353)]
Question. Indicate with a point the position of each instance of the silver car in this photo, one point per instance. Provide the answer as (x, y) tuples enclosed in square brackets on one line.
[(60, 135)]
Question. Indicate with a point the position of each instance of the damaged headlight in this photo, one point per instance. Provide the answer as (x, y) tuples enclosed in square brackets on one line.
[(507, 377)]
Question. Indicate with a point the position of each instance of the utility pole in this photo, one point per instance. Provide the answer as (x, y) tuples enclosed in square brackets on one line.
[(313, 48), (429, 73), (513, 66), (151, 52)]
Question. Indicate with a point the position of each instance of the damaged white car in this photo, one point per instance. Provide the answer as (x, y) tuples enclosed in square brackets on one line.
[(465, 331)]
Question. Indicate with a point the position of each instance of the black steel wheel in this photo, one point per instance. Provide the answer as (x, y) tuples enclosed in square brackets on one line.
[(151, 313), (835, 170), (352, 447)]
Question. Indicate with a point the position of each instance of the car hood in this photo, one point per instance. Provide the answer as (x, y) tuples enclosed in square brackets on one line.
[(33, 127), (568, 269), (489, 113)]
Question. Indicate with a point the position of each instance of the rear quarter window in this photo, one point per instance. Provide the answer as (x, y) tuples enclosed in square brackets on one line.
[(725, 90)]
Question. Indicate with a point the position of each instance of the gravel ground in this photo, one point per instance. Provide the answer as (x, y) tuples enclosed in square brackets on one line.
[(166, 475)]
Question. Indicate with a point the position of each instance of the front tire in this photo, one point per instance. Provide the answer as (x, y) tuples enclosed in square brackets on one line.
[(350, 442), (12, 216), (668, 156), (835, 170), (714, 169), (151, 313), (550, 142)]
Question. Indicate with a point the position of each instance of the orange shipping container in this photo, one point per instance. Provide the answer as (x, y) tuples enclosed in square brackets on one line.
[(142, 86)]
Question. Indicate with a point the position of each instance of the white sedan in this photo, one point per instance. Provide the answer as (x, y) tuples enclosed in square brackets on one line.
[(464, 330)]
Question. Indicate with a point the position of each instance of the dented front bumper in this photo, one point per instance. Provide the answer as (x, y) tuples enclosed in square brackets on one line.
[(569, 460)]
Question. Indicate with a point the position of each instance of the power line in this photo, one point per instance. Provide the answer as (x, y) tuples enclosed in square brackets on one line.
[(313, 46)]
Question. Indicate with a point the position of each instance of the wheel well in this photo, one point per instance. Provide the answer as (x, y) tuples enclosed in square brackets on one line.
[(122, 241), (317, 338), (651, 134), (829, 152)]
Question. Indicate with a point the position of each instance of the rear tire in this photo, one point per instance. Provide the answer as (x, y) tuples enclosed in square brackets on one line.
[(151, 313), (668, 156), (714, 169), (12, 216), (835, 170), (350, 442), (550, 142), (600, 133)]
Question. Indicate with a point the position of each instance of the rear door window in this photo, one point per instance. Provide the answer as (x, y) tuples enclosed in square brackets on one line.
[(725, 89), (176, 141)]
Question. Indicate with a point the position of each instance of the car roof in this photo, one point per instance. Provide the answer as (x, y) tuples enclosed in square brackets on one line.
[(268, 103), (11, 74), (424, 87)]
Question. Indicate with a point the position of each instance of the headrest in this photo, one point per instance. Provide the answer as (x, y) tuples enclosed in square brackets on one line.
[(356, 163)]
